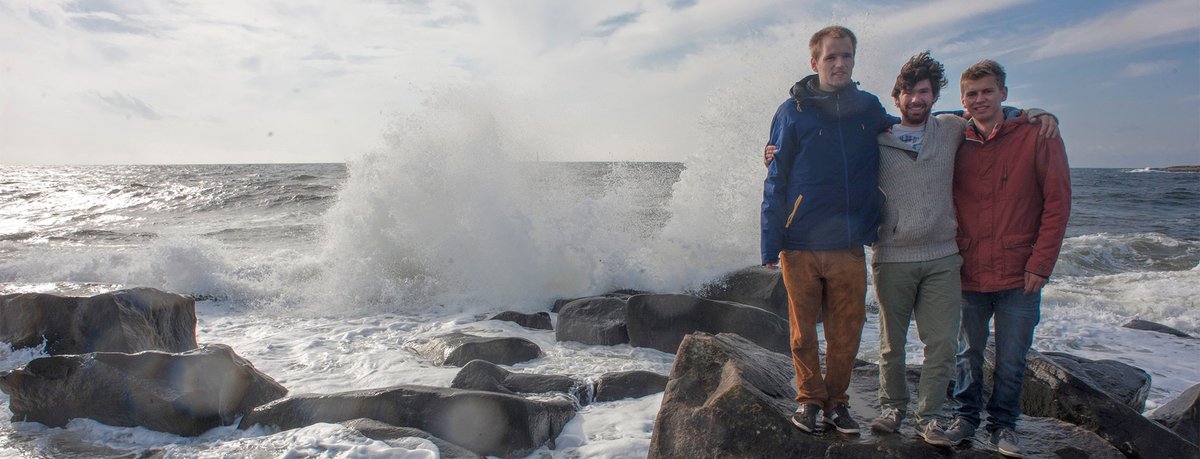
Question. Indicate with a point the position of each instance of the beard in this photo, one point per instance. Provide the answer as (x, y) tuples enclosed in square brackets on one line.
[(912, 116)]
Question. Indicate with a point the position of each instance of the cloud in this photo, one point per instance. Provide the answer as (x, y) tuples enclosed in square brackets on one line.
[(1147, 68), (128, 106), (612, 24), (681, 4), (1142, 26)]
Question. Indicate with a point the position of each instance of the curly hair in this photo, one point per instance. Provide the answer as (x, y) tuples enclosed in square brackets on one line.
[(920, 67)]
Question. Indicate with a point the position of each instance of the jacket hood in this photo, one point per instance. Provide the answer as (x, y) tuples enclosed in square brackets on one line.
[(807, 93)]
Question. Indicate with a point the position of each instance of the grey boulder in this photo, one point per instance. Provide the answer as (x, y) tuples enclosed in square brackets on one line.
[(456, 349), (185, 394), (1181, 415), (621, 385), (756, 286), (485, 376), (486, 423), (133, 320), (480, 375), (596, 320), (537, 321), (661, 322)]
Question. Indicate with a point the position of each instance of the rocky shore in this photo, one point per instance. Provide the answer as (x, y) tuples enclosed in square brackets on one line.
[(130, 358)]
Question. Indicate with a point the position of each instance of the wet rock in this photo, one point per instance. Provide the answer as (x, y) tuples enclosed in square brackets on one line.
[(661, 322), (1181, 415), (622, 294), (1054, 390), (628, 384), (133, 320), (481, 375), (486, 423), (457, 349), (1138, 324), (184, 394), (376, 430), (756, 286), (538, 321), (1126, 383), (728, 397), (596, 320)]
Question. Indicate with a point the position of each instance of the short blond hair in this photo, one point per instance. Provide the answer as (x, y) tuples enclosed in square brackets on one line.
[(814, 43), (983, 69)]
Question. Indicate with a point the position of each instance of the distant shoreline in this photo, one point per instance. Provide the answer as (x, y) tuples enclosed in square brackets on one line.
[(1177, 169)]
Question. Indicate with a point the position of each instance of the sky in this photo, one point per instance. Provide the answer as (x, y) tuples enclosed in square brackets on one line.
[(298, 81)]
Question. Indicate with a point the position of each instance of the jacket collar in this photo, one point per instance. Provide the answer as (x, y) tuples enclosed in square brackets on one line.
[(1005, 127)]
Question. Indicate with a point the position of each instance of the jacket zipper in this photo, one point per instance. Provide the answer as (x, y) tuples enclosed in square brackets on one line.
[(845, 164), (795, 207)]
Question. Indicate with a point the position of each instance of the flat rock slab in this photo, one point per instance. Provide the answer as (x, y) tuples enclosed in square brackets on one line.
[(536, 321), (486, 423), (376, 430), (185, 394), (457, 349), (133, 320), (1052, 389), (597, 320), (1128, 384), (661, 322), (730, 398), (1138, 324)]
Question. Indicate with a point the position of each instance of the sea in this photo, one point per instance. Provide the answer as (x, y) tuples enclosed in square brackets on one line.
[(322, 275)]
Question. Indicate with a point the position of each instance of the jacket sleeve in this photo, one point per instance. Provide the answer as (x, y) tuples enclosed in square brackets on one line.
[(1054, 176), (776, 184)]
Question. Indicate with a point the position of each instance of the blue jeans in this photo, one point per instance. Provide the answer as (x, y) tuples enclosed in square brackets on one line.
[(1016, 316)]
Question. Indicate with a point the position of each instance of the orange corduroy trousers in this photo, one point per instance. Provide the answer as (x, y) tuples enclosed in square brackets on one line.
[(832, 284)]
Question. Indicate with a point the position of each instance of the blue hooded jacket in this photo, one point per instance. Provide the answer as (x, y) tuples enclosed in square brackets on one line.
[(822, 189)]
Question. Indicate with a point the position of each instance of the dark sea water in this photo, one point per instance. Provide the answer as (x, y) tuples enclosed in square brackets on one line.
[(320, 273)]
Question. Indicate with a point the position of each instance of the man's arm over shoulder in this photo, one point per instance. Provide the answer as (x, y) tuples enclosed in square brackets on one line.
[(1054, 176), (783, 136)]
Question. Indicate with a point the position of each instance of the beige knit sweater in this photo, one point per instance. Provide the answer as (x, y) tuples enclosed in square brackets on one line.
[(918, 213)]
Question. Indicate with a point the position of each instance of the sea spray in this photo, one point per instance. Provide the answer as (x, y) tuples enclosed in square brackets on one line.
[(444, 216)]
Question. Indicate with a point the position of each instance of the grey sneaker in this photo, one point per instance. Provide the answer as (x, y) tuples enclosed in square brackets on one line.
[(805, 417), (888, 421), (933, 434), (840, 419), (960, 430), (1006, 442)]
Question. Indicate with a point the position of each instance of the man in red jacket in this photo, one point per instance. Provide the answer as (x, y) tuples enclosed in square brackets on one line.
[(1012, 195)]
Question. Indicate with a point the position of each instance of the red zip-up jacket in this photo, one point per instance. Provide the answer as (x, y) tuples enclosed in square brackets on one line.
[(1012, 194)]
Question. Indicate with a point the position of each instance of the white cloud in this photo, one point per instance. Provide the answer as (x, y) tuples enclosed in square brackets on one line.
[(207, 80), (1141, 26), (1147, 68)]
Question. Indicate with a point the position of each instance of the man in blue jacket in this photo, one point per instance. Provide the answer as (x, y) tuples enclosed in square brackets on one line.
[(821, 205)]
